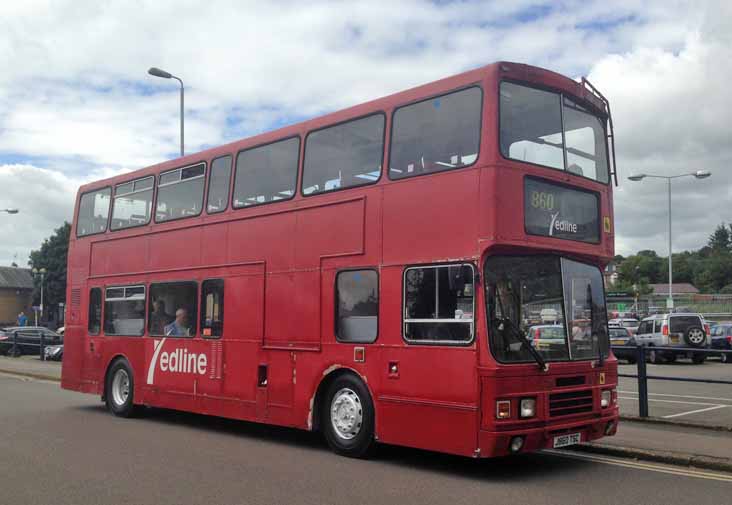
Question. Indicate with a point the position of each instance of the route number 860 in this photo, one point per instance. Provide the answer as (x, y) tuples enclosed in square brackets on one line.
[(542, 200)]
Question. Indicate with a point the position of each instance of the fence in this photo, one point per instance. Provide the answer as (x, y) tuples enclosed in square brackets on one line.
[(713, 307), (643, 376)]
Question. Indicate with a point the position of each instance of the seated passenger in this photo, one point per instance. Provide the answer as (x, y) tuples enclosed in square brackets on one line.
[(159, 318), (179, 327)]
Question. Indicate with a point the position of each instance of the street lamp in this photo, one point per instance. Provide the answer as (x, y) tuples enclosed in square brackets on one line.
[(42, 272), (167, 75), (699, 174), (9, 211)]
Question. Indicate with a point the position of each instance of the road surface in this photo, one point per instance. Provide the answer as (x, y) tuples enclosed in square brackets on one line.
[(59, 447)]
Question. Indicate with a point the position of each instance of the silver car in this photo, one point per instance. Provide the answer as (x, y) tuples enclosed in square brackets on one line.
[(685, 331)]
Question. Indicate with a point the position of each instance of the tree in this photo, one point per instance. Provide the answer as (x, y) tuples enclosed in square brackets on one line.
[(52, 256), (721, 240)]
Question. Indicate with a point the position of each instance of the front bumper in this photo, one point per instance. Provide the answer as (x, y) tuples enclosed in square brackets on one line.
[(496, 443)]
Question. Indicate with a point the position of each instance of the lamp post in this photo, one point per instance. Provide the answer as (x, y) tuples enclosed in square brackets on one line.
[(42, 272), (167, 75), (699, 174)]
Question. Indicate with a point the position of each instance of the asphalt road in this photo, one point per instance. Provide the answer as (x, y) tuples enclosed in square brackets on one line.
[(709, 404), (59, 447)]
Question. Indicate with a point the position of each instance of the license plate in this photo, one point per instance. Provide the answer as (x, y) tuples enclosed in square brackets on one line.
[(565, 440), (674, 339), (617, 342)]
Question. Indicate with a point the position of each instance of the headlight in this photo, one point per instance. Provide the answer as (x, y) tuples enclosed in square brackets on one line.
[(606, 398), (528, 407)]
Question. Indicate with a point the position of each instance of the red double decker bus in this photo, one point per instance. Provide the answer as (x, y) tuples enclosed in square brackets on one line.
[(420, 270)]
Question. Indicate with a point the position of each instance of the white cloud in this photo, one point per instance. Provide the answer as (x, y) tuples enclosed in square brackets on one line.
[(75, 98), (671, 113)]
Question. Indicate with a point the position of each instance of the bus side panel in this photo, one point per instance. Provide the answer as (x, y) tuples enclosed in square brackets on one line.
[(72, 362)]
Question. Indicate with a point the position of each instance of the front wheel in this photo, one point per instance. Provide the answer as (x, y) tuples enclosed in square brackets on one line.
[(348, 417), (119, 389), (655, 357)]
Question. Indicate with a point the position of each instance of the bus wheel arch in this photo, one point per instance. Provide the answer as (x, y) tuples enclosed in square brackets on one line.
[(347, 387)]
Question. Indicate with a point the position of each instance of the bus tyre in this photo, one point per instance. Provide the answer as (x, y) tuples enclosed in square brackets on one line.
[(347, 417), (119, 389)]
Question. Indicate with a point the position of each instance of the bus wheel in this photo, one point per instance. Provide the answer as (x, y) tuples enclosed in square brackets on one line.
[(120, 389), (348, 417)]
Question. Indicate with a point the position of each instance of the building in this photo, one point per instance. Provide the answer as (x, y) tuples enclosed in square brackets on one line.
[(16, 292), (682, 288)]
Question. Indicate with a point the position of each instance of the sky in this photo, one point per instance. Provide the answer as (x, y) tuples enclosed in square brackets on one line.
[(77, 104)]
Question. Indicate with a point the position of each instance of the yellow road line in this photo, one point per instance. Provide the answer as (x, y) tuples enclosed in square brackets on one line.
[(697, 474)]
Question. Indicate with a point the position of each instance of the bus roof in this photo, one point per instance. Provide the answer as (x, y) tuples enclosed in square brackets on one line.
[(504, 70)]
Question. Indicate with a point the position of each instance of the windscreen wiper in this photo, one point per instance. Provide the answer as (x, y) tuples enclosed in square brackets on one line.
[(507, 324)]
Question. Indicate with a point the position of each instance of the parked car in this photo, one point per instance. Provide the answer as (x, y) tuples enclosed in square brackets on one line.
[(620, 335), (722, 339), (54, 352), (546, 336), (29, 339), (626, 322), (683, 331)]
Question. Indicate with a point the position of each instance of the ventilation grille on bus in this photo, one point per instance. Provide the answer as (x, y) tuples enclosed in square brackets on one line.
[(563, 382), (75, 297), (573, 402)]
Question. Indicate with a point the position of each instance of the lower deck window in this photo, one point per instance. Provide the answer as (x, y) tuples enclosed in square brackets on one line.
[(173, 309), (438, 304), (357, 306), (212, 308), (124, 311)]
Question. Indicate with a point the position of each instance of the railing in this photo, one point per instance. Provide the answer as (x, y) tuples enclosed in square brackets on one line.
[(643, 376), (15, 349)]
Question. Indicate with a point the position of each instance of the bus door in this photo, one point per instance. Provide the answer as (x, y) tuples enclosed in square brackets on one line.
[(92, 341), (429, 392)]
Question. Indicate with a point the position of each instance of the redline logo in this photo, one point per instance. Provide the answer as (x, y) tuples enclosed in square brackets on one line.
[(177, 361), (562, 225)]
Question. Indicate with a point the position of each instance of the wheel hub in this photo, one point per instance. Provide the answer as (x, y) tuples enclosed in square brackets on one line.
[(346, 414), (120, 387)]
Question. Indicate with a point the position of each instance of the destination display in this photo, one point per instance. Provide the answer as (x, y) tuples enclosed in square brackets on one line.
[(552, 210)]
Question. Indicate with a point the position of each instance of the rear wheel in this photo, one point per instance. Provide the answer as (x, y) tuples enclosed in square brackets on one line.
[(119, 389), (698, 359), (348, 417), (726, 358)]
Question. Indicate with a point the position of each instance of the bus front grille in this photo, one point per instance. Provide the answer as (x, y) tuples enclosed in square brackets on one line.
[(573, 402)]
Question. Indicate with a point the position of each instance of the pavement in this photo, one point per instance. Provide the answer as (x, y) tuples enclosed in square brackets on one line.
[(60, 447), (696, 439)]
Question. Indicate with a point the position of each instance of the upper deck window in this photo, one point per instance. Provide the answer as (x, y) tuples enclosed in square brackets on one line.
[(547, 129), (218, 185), (180, 193), (266, 173), (437, 134), (132, 203), (93, 212), (343, 156)]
